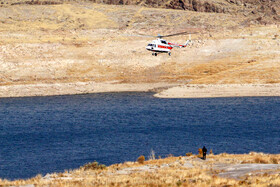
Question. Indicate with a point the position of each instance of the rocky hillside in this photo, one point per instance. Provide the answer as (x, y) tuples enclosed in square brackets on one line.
[(263, 11), (56, 42)]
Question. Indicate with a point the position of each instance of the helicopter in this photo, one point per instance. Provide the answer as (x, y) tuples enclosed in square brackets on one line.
[(162, 46)]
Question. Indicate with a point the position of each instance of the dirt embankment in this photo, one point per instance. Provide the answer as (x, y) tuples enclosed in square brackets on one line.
[(220, 90)]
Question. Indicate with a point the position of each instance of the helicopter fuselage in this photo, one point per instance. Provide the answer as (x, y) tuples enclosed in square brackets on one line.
[(159, 46), (162, 46)]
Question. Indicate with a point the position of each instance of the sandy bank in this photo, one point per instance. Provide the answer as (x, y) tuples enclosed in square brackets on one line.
[(76, 88), (222, 90), (165, 90)]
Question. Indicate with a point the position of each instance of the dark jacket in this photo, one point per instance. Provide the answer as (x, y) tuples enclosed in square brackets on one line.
[(204, 150)]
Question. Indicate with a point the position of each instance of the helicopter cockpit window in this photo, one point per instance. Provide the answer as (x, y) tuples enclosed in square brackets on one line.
[(164, 42)]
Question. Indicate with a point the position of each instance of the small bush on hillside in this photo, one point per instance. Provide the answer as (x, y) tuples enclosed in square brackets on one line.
[(179, 183), (93, 166), (273, 160), (60, 175), (200, 152), (259, 160), (189, 154), (141, 159)]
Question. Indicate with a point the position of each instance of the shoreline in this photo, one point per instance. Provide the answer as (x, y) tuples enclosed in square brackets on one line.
[(257, 169), (221, 90), (54, 89), (163, 90)]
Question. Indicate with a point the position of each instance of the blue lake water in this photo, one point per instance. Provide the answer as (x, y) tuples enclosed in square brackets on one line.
[(51, 134)]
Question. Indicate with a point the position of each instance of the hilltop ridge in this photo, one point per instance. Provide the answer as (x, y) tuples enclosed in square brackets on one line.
[(264, 11)]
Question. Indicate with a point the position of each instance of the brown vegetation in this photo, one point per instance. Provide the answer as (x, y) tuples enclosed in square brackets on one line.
[(200, 153), (141, 159), (171, 171), (93, 166)]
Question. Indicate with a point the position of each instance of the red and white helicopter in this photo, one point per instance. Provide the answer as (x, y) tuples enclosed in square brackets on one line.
[(162, 46)]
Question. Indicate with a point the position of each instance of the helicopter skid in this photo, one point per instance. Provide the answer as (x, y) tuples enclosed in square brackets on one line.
[(156, 52)]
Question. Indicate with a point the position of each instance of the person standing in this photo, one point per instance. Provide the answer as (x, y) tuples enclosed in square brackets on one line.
[(204, 151)]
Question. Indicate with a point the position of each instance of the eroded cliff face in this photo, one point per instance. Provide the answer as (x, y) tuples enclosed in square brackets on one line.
[(271, 7), (263, 11)]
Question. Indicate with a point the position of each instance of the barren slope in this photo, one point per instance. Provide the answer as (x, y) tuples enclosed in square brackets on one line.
[(87, 42)]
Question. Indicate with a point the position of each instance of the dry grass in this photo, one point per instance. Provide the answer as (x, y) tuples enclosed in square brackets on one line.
[(93, 166), (261, 159), (249, 158), (200, 153), (173, 175)]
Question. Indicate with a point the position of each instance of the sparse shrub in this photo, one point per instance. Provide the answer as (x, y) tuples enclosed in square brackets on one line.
[(93, 166), (273, 160), (60, 175), (189, 154), (265, 174), (141, 159), (223, 154), (200, 152), (102, 166), (211, 152), (179, 183), (260, 160)]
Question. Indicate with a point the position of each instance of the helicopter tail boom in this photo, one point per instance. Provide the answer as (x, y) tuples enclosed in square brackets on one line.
[(179, 45), (187, 43)]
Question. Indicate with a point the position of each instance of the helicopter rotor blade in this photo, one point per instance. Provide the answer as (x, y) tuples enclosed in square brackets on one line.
[(180, 33), (159, 36), (140, 35), (162, 36)]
